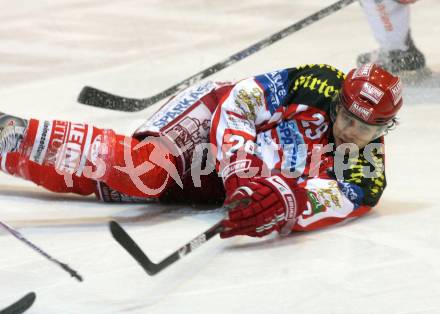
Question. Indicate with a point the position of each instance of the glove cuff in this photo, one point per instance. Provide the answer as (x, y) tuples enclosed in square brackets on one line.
[(240, 170)]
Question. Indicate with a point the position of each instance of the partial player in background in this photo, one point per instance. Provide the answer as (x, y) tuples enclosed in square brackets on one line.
[(272, 140), (390, 23)]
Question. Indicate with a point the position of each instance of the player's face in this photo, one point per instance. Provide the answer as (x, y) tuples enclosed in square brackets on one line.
[(348, 129)]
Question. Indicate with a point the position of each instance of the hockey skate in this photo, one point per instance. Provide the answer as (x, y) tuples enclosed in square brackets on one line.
[(12, 131), (408, 64)]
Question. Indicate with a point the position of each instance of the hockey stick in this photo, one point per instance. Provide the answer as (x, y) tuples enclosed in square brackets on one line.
[(122, 237), (97, 98), (21, 305), (20, 237)]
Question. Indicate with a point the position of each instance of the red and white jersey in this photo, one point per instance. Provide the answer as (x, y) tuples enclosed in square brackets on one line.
[(280, 117), (255, 115), (283, 139)]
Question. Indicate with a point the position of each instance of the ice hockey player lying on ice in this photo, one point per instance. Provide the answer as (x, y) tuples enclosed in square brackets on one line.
[(265, 146)]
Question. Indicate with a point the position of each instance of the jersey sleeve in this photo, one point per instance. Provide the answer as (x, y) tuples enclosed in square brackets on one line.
[(259, 102), (314, 85), (323, 202), (367, 174), (329, 201), (238, 117)]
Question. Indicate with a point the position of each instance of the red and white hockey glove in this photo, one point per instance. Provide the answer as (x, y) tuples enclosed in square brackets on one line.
[(241, 168), (260, 206)]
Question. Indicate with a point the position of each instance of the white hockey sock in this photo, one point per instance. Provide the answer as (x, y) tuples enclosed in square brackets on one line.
[(389, 22)]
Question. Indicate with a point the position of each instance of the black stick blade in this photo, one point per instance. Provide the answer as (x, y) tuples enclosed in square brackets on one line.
[(98, 98), (153, 268), (21, 305), (132, 248)]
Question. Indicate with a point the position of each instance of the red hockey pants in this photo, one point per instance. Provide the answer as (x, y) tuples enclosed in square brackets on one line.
[(73, 157)]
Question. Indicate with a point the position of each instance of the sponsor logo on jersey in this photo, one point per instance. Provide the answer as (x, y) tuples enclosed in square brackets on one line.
[(372, 93), (360, 111), (66, 146), (319, 84), (187, 133), (276, 83), (313, 83), (396, 92), (249, 101), (177, 106), (323, 199), (352, 191), (290, 138), (316, 206), (363, 71), (41, 142)]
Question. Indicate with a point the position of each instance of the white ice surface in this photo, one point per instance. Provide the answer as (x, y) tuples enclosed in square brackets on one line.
[(386, 262)]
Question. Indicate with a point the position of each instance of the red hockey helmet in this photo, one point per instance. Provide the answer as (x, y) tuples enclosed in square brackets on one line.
[(372, 94)]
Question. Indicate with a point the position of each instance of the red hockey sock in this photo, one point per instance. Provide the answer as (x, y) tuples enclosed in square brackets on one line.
[(72, 157)]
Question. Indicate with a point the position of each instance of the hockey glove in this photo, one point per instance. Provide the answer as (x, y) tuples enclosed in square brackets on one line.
[(241, 168), (260, 206)]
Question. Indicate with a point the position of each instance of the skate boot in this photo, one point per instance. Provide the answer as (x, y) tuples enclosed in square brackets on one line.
[(12, 131), (395, 61)]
